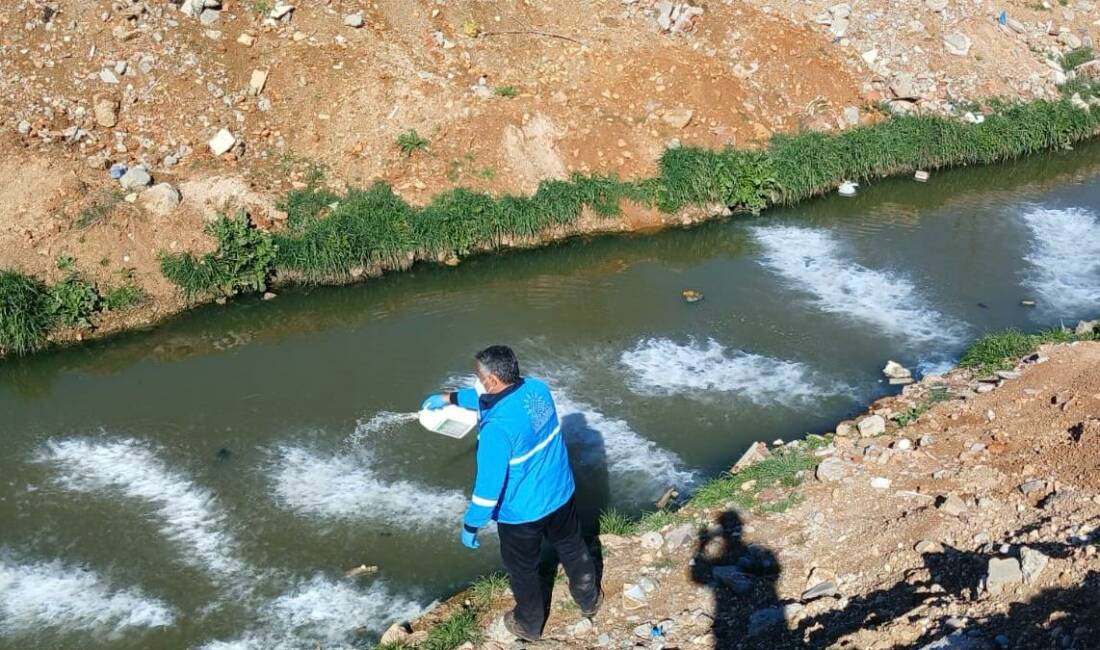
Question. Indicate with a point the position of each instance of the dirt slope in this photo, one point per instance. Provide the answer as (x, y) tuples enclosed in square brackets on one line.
[(506, 94)]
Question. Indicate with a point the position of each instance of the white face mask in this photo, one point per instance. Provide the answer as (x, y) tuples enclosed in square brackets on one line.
[(479, 388)]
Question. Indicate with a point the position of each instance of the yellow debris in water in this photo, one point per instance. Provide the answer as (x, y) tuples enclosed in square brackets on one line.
[(691, 295)]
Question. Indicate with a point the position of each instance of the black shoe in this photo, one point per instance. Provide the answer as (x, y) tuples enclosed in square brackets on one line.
[(591, 613), (513, 627)]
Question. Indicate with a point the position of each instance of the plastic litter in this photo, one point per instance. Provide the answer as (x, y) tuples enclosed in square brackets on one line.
[(691, 295), (847, 188), (117, 171), (921, 176), (451, 421)]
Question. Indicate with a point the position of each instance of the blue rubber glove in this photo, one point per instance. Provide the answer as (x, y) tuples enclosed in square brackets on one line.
[(469, 540), (433, 402)]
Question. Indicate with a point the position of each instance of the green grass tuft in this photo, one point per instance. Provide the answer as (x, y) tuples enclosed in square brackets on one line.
[(460, 627), (410, 142), (782, 468), (487, 588), (1076, 57), (99, 209), (613, 522), (123, 297), (1002, 350), (657, 519), (506, 91), (25, 315)]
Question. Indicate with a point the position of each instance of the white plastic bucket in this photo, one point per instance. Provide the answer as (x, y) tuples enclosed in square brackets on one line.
[(452, 421)]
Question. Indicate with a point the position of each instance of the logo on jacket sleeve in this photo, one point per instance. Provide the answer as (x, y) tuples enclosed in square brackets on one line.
[(539, 409)]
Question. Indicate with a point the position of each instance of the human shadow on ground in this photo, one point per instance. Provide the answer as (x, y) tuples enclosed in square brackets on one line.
[(749, 614)]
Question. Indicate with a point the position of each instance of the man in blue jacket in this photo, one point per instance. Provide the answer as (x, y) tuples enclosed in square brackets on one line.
[(525, 483)]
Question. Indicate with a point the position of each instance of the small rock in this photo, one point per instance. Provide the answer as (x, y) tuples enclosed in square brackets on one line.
[(677, 118), (895, 370), (108, 76), (106, 112), (135, 178), (936, 5), (957, 43), (903, 444), (581, 627), (1070, 40), (160, 199), (268, 295), (652, 540), (756, 452), (1032, 563), (680, 536), (1002, 572), (354, 20), (952, 505), (1034, 485), (257, 82), (872, 425), (246, 39), (280, 10), (634, 597), (851, 115), (209, 16), (928, 546), (831, 470), (396, 633), (222, 142), (821, 589), (880, 483), (839, 27), (1008, 374), (1086, 327)]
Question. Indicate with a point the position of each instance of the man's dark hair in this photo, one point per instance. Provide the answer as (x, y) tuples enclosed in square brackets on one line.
[(500, 361)]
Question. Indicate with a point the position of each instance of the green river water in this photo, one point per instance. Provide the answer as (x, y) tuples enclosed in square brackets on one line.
[(207, 484)]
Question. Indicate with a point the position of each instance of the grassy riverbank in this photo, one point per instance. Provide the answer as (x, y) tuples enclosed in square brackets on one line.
[(331, 238)]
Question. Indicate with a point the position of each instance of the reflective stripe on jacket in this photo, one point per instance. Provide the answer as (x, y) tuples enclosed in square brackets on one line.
[(523, 471)]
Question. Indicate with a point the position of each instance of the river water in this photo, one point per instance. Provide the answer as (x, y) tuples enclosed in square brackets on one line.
[(207, 484)]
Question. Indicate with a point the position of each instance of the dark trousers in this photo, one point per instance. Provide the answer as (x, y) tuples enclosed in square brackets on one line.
[(521, 548)]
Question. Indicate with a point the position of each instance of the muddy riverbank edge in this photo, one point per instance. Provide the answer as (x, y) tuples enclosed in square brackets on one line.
[(963, 512), (329, 239)]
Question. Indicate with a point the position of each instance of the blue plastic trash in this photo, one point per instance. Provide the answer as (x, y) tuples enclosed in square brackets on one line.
[(1003, 18), (118, 170)]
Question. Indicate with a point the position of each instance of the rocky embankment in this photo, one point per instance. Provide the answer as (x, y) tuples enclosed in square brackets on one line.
[(962, 513)]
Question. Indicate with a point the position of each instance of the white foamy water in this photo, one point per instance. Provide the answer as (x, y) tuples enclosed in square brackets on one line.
[(381, 422), (324, 613), (71, 599), (596, 438), (815, 262), (662, 366), (346, 487), (1064, 259), (189, 514)]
